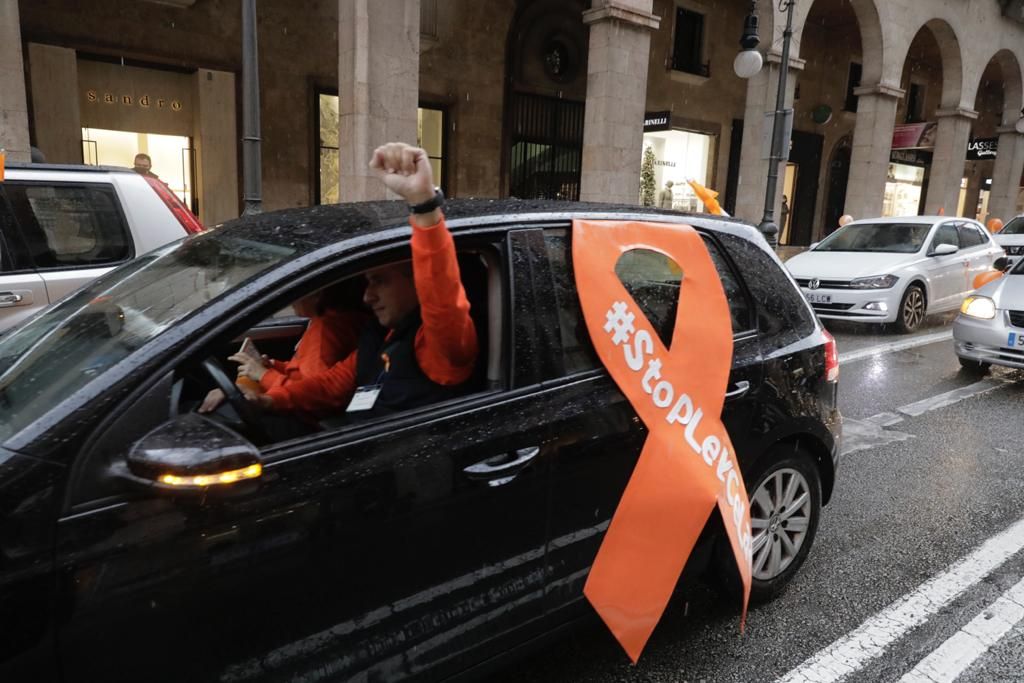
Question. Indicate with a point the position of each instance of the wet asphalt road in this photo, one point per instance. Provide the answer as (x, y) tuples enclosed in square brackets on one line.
[(911, 499)]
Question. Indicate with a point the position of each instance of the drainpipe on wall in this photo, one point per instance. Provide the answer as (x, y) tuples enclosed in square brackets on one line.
[(251, 158)]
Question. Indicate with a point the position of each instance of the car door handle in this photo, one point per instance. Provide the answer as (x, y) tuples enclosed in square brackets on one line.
[(10, 299), (742, 387), (501, 469)]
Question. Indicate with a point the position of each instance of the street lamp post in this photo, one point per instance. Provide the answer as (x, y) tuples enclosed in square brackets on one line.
[(745, 68)]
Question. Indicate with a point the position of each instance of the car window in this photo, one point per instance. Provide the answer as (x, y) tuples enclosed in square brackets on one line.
[(901, 238), (740, 308), (69, 226), (970, 236), (651, 278), (946, 234), (1014, 227), (13, 255)]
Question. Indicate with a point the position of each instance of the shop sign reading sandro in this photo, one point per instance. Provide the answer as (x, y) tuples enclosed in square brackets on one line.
[(144, 101)]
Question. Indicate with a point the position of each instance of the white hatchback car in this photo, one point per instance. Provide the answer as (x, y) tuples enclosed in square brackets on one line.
[(62, 226), (894, 270), (1011, 238)]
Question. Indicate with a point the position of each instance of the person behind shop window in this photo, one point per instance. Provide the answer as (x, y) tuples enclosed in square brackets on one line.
[(665, 196), (142, 165), (423, 348), (784, 212)]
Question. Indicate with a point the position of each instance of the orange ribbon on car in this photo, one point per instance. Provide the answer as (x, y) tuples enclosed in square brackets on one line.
[(687, 466)]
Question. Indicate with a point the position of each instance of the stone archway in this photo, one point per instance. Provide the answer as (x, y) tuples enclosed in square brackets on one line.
[(546, 82), (997, 120)]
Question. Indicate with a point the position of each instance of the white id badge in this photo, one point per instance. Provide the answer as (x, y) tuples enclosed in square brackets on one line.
[(364, 398)]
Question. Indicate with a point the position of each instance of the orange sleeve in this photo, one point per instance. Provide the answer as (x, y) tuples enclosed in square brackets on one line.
[(272, 378), (446, 344), (327, 391)]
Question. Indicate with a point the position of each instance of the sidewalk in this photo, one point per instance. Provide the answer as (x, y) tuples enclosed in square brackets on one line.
[(788, 252)]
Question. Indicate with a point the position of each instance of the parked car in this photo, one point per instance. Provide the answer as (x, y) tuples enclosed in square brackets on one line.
[(62, 226), (423, 544), (1011, 238), (990, 327), (894, 270)]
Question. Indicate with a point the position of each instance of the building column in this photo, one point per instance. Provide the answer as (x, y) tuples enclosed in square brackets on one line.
[(752, 183), (620, 42), (1004, 199), (973, 193), (947, 172), (53, 73), (378, 86), (14, 104), (216, 146), (872, 146)]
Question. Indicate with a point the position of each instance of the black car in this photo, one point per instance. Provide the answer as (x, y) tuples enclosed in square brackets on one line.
[(420, 544)]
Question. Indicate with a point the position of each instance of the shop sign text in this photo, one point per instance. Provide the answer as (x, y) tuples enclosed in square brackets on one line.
[(144, 101)]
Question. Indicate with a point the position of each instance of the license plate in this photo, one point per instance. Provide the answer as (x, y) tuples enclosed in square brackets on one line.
[(1015, 339), (818, 298)]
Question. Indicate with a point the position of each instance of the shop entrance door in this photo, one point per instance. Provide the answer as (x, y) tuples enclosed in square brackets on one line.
[(805, 151), (173, 157), (546, 155)]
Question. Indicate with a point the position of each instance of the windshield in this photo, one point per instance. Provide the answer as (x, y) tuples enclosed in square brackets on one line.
[(899, 238), (59, 351), (1014, 227)]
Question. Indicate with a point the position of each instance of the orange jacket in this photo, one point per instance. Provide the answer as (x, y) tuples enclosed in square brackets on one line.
[(445, 345), (329, 338)]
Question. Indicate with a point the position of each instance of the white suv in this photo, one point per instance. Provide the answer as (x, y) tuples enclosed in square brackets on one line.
[(62, 226)]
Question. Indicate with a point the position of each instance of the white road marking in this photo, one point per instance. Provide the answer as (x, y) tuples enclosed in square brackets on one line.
[(869, 641), (950, 397), (955, 655), (860, 435), (890, 347)]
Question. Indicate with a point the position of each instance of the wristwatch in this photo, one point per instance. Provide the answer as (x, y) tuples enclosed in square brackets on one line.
[(435, 202)]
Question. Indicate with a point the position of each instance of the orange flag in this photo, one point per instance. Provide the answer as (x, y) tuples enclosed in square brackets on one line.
[(687, 466), (709, 197)]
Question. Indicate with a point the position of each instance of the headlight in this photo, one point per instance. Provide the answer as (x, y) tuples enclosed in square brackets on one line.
[(877, 282), (979, 307)]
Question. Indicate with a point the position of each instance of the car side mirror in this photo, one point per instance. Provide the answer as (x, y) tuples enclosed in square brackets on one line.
[(944, 250), (192, 453), (1002, 263)]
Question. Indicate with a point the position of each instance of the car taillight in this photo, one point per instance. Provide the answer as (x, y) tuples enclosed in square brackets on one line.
[(831, 357), (180, 211)]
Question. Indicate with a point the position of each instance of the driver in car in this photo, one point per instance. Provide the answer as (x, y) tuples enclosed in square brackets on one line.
[(423, 348)]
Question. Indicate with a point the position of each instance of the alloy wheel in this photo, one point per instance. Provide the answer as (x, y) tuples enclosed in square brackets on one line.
[(913, 308), (780, 516)]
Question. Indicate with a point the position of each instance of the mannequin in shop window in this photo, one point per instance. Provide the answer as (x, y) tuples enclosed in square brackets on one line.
[(665, 196)]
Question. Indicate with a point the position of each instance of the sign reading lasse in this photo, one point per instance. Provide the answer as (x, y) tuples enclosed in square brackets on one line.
[(687, 467)]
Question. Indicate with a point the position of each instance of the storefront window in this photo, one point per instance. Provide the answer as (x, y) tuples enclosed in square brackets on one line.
[(903, 190), (429, 135), (171, 155), (678, 156), (330, 170)]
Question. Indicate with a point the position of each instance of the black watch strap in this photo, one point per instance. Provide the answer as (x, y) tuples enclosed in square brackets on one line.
[(435, 202)]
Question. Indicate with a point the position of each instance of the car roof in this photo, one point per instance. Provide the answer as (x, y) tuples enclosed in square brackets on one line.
[(78, 168), (327, 224), (913, 219)]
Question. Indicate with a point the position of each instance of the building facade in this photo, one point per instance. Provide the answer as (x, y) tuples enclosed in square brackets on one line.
[(899, 106)]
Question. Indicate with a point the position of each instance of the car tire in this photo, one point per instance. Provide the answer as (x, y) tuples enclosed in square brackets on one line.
[(774, 563), (975, 367), (913, 307)]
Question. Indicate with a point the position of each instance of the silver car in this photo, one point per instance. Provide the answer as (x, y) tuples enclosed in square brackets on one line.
[(990, 327), (1011, 238)]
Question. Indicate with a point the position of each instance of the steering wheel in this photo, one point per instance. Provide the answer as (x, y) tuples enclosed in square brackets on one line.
[(249, 414)]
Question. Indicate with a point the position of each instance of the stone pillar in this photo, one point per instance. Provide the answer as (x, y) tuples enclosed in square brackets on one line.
[(13, 104), (216, 135), (872, 146), (973, 193), (378, 86), (1003, 199), (53, 73), (762, 91), (947, 172), (620, 43)]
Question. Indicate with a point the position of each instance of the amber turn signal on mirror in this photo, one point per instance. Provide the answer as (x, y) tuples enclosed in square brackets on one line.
[(229, 477)]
